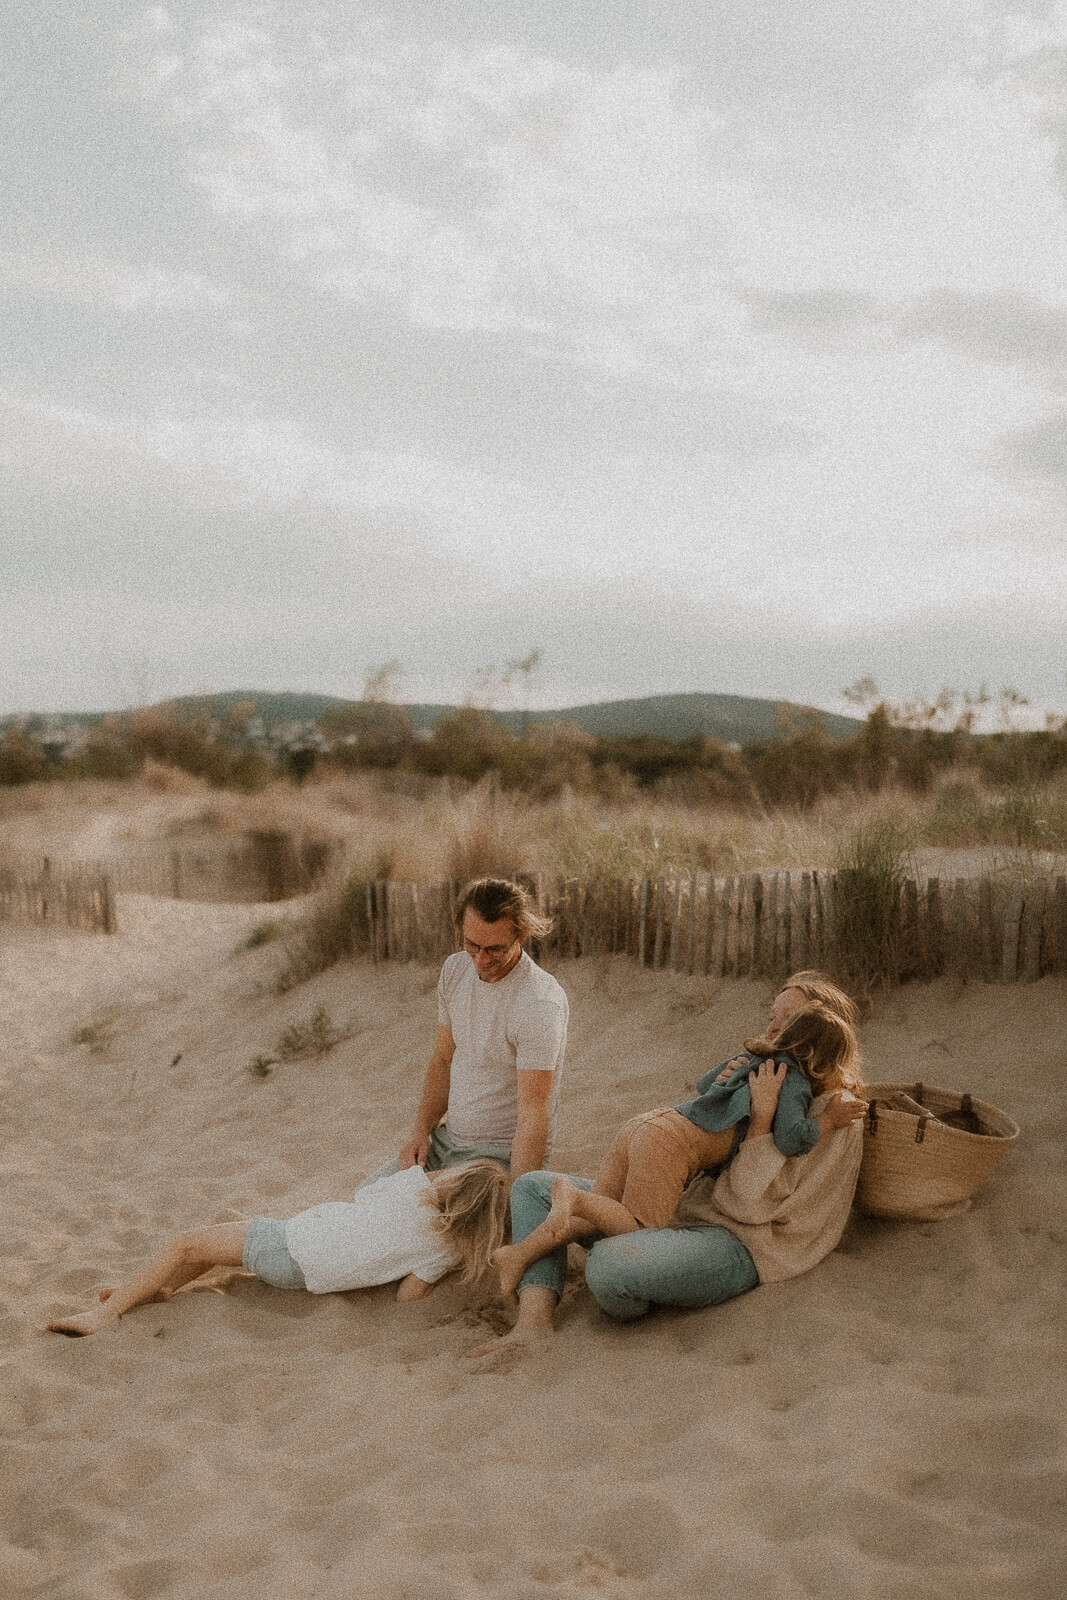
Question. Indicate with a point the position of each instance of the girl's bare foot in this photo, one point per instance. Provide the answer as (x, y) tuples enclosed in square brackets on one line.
[(564, 1195), (160, 1297), (78, 1327), (510, 1262)]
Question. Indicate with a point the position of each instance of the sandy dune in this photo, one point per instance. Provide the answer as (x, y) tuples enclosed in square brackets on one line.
[(891, 1425)]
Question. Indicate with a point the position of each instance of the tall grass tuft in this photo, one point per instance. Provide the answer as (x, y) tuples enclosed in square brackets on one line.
[(1024, 817), (868, 949), (336, 927)]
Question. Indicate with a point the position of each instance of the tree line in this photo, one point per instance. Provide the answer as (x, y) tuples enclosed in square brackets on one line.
[(909, 747)]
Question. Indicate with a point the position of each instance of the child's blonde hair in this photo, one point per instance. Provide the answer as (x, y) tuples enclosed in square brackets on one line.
[(821, 1043), (471, 1202)]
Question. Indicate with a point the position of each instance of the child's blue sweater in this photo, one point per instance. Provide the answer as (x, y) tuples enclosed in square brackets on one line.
[(724, 1105)]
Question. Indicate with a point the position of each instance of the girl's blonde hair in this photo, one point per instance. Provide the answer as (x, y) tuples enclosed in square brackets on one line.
[(821, 1043), (471, 1202)]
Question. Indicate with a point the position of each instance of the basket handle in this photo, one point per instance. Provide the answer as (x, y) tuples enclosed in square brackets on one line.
[(872, 1116), (917, 1093), (920, 1131)]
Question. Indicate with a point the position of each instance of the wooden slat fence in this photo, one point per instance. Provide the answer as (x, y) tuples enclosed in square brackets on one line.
[(76, 897), (755, 924), (266, 865)]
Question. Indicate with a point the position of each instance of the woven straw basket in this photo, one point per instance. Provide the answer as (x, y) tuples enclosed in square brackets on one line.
[(916, 1168)]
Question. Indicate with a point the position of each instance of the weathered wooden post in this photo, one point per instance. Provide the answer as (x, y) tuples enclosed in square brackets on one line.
[(107, 904), (1033, 917), (759, 958), (987, 936), (369, 896), (787, 923), (642, 923), (1059, 926), (936, 920), (723, 928), (959, 942), (772, 927), (709, 923), (691, 926), (676, 912), (411, 951), (661, 917), (802, 941), (1009, 960)]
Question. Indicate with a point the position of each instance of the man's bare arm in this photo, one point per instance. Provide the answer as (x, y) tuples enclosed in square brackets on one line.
[(433, 1102), (531, 1130)]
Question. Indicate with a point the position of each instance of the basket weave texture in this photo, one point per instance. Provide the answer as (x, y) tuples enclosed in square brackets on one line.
[(918, 1169)]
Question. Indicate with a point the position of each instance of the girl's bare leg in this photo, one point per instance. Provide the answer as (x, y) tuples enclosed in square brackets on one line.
[(187, 1257)]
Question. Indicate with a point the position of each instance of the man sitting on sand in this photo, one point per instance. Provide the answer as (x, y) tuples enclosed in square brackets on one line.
[(494, 1075)]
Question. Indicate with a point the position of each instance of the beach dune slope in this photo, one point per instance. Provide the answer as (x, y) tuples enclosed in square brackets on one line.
[(892, 1425)]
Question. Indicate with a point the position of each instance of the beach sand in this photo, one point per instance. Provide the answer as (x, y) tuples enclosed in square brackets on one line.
[(890, 1425)]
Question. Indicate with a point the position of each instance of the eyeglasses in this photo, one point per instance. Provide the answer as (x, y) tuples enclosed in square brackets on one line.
[(473, 949)]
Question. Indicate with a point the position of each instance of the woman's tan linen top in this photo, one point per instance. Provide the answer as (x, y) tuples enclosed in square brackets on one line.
[(788, 1211)]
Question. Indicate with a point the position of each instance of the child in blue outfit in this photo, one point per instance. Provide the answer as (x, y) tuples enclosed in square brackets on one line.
[(655, 1155), (724, 1101)]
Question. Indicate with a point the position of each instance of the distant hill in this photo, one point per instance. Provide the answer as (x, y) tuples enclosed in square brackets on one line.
[(736, 719)]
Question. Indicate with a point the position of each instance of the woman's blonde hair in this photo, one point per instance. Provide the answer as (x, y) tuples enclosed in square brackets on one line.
[(471, 1202), (821, 1043), (817, 986)]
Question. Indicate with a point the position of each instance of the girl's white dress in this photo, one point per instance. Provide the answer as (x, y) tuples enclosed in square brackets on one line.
[(382, 1234)]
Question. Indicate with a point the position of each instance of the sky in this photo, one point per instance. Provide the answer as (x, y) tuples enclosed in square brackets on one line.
[(697, 347)]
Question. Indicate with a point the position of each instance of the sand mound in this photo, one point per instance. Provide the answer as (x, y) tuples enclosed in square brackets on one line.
[(891, 1425)]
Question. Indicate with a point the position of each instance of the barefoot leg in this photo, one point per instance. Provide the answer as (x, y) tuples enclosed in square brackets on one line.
[(563, 1225), (537, 1310), (186, 1258)]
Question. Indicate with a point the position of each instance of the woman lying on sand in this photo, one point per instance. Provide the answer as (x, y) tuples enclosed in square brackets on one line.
[(763, 1218), (413, 1226), (656, 1155)]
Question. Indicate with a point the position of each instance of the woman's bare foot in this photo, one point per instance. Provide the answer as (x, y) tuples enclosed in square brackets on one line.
[(537, 1310)]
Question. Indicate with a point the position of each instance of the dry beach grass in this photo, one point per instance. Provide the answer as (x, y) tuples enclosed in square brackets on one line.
[(889, 1426)]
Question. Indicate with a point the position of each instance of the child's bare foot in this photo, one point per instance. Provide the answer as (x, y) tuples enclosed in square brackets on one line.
[(78, 1327), (510, 1262), (160, 1296), (564, 1195)]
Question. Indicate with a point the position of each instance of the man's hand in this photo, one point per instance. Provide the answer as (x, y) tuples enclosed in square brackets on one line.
[(434, 1100), (415, 1151)]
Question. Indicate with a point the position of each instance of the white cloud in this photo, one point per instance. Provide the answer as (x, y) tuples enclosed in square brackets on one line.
[(107, 281)]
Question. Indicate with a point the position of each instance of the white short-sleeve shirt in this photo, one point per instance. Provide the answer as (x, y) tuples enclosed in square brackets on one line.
[(381, 1234), (518, 1024)]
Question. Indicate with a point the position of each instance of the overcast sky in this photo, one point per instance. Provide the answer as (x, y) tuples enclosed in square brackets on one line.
[(702, 346)]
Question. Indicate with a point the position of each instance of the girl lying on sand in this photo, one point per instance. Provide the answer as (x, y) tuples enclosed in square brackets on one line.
[(413, 1226), (656, 1155)]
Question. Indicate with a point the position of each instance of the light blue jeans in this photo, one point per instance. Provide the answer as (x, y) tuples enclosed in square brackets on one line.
[(633, 1272)]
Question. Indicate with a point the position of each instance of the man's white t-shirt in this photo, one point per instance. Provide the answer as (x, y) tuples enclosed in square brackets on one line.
[(518, 1024), (382, 1234)]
